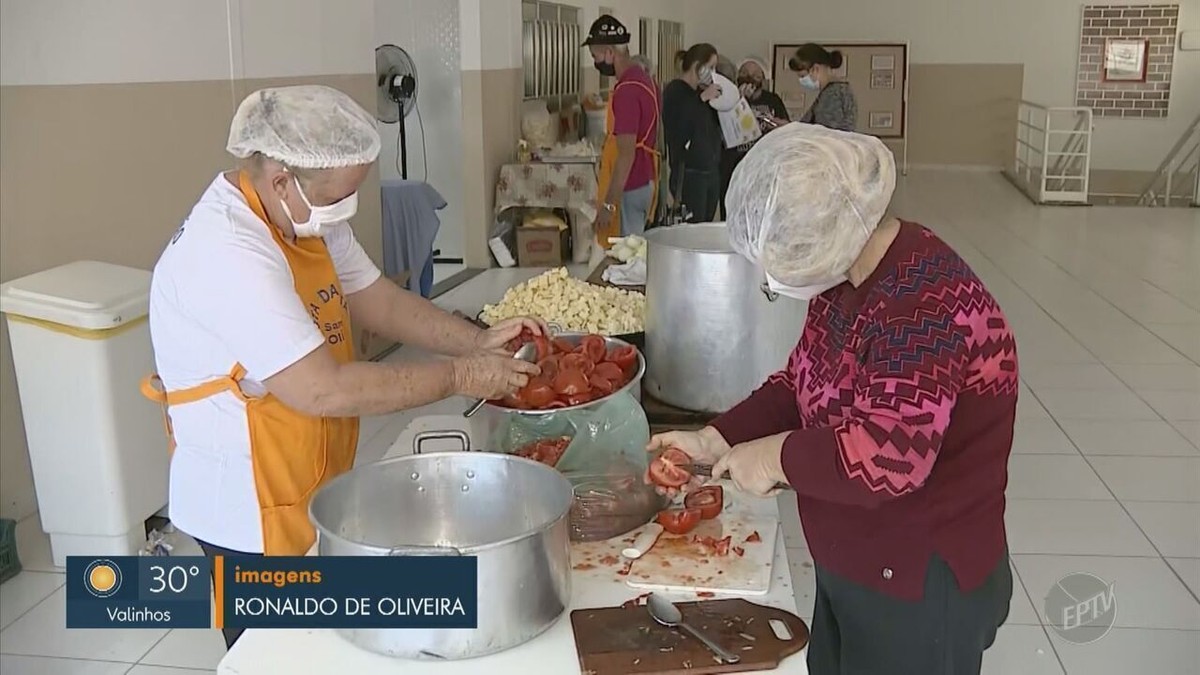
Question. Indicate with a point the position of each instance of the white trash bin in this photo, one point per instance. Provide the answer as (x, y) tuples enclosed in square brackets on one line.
[(81, 344)]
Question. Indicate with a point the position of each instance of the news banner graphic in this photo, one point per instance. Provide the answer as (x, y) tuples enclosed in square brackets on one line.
[(270, 592)]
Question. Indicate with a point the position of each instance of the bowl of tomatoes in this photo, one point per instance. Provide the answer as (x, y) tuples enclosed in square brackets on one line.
[(578, 371)]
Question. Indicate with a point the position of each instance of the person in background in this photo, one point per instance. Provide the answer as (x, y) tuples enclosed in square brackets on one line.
[(835, 106), (663, 202), (751, 79), (251, 306), (893, 419), (693, 133), (629, 159)]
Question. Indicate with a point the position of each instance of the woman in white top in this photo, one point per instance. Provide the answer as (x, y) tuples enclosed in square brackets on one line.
[(250, 315)]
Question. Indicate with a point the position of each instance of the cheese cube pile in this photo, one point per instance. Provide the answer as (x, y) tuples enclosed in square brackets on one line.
[(572, 304)]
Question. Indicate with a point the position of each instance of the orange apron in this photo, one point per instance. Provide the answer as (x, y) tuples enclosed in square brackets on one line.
[(608, 164), (292, 454)]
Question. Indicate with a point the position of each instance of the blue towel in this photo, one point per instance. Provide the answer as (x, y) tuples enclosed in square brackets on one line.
[(410, 226)]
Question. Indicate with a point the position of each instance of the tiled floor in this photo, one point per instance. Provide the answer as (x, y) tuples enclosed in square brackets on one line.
[(1105, 473)]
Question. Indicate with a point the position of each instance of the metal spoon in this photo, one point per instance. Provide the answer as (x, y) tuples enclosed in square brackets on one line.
[(665, 612), (527, 352)]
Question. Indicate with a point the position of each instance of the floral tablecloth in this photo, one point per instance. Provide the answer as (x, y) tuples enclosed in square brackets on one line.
[(559, 186)]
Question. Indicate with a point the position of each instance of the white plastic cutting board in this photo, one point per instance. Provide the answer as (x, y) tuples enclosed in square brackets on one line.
[(676, 564)]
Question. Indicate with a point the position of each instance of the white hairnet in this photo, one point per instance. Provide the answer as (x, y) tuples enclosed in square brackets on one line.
[(306, 127), (804, 200), (761, 64)]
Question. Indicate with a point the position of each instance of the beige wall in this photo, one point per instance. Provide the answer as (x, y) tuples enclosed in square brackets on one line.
[(101, 158), (1040, 35)]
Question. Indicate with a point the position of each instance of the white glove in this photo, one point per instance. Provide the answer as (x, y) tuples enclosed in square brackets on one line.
[(755, 467)]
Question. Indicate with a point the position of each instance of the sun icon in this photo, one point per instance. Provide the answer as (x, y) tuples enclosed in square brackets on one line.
[(102, 578)]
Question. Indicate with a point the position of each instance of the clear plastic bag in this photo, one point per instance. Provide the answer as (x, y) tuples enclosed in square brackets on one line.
[(605, 461)]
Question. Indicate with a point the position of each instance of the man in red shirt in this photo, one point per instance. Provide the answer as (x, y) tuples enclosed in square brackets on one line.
[(629, 159)]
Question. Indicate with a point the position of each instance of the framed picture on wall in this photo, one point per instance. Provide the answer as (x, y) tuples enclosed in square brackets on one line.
[(883, 79), (883, 62), (841, 71), (881, 120), (1125, 60)]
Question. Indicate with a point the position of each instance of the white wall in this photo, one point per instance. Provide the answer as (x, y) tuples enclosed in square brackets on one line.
[(430, 31), (1041, 34)]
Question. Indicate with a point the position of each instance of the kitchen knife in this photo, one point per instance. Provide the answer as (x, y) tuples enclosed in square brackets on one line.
[(705, 471)]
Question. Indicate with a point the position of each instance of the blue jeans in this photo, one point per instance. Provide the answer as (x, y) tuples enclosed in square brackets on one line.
[(635, 209)]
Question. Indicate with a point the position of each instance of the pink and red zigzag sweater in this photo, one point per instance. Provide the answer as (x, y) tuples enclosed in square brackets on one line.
[(900, 398)]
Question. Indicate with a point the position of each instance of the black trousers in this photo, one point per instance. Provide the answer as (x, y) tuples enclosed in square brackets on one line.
[(729, 161), (210, 551), (701, 193), (858, 631)]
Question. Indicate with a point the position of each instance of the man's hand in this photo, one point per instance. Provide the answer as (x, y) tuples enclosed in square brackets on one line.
[(603, 218), (491, 376), (755, 466), (747, 90), (495, 338)]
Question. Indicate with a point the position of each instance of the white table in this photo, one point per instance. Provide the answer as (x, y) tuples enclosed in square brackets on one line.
[(323, 651)]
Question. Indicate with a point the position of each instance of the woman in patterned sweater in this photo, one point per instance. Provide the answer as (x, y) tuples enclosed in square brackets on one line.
[(835, 106), (893, 419)]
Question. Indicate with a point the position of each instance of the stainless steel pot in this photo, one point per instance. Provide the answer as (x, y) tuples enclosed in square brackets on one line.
[(511, 513), (712, 334)]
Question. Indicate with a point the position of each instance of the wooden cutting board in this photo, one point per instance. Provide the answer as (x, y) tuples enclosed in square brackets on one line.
[(678, 564), (620, 641)]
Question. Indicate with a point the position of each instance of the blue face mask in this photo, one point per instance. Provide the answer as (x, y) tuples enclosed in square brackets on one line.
[(808, 82)]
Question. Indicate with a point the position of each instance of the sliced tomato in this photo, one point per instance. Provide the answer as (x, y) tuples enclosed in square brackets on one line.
[(738, 550), (594, 347), (547, 450), (514, 401), (667, 470), (578, 362), (754, 538), (601, 386), (578, 399), (679, 521), (561, 346), (709, 499), (624, 357), (609, 371), (543, 347), (538, 393), (721, 547), (549, 366), (570, 382)]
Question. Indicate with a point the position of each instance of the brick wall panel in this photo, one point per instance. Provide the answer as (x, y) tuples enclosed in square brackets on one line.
[(1158, 25)]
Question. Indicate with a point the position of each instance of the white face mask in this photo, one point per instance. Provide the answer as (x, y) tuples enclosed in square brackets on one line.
[(321, 215), (705, 74), (805, 293), (808, 82)]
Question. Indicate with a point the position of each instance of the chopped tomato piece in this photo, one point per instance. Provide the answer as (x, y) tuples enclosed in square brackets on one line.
[(594, 347), (578, 399), (601, 386), (705, 594), (561, 346), (547, 450), (570, 382), (624, 357), (738, 550), (537, 394), (754, 538), (679, 521), (667, 470), (549, 366), (609, 371), (721, 547), (710, 499), (578, 362)]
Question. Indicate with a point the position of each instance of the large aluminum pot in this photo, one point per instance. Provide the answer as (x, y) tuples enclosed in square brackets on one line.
[(509, 512), (713, 334)]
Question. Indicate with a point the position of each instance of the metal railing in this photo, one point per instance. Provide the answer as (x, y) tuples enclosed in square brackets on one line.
[(1178, 176), (1053, 157)]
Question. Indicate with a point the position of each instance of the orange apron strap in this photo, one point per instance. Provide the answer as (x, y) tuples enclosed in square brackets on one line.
[(251, 195), (153, 389), (608, 164)]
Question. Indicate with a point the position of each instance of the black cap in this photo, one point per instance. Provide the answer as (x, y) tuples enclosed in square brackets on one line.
[(607, 31)]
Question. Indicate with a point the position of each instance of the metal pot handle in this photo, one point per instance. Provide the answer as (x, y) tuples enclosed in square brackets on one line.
[(425, 551), (460, 436)]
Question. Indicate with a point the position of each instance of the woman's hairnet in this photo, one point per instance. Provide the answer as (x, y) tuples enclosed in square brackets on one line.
[(804, 200), (306, 127)]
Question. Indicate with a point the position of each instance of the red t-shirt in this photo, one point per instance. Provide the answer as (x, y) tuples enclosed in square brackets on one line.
[(635, 111)]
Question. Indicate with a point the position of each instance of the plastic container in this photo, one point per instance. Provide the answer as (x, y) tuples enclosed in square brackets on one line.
[(10, 564), (81, 344)]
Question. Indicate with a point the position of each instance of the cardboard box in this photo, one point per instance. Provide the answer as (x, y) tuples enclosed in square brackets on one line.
[(539, 246), (369, 346)]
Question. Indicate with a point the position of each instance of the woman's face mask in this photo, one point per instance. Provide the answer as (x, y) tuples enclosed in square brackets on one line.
[(809, 82), (320, 215), (805, 293), (705, 74)]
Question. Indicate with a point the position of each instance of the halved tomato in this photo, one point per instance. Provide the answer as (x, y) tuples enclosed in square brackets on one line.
[(609, 371), (549, 366), (578, 399), (667, 470), (543, 347), (570, 382), (601, 386), (625, 357), (709, 499), (594, 347), (578, 362), (561, 346), (679, 521), (538, 393)]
